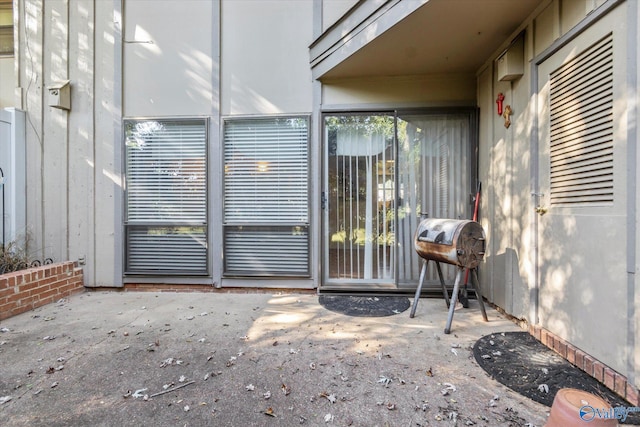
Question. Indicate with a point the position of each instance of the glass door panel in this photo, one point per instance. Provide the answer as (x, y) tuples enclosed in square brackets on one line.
[(435, 177), (360, 199)]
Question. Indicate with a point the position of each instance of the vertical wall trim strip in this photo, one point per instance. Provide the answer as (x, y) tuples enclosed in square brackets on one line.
[(118, 151), (632, 185), (67, 133), (316, 168), (94, 252), (214, 164)]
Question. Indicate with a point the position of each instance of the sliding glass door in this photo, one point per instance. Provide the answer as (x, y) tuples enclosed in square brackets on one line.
[(382, 171)]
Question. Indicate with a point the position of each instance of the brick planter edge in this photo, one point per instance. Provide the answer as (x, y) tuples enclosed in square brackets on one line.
[(24, 290)]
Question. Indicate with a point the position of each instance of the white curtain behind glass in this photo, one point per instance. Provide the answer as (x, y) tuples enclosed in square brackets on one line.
[(370, 149), (434, 178)]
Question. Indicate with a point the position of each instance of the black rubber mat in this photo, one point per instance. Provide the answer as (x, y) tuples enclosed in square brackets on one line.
[(525, 365), (365, 306)]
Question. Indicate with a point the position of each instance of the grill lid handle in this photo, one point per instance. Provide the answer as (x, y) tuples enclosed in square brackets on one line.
[(424, 237)]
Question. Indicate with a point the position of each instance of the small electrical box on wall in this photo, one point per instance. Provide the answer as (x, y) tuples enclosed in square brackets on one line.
[(511, 62), (60, 95)]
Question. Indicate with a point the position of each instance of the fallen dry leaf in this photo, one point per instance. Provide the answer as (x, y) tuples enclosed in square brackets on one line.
[(330, 397), (285, 389)]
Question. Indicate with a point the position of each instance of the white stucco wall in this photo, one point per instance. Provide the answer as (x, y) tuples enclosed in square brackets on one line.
[(435, 90), (332, 10), (265, 57), (583, 284), (168, 58), (139, 58)]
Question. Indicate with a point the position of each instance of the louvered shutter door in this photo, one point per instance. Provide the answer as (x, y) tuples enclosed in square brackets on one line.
[(166, 220), (581, 114), (266, 199)]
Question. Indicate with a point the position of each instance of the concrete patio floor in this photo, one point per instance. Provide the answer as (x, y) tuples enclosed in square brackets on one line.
[(240, 359)]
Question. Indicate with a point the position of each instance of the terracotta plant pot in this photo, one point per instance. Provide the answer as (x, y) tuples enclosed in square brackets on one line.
[(572, 407)]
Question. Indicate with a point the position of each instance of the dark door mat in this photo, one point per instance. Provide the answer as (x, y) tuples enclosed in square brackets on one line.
[(524, 364), (365, 306)]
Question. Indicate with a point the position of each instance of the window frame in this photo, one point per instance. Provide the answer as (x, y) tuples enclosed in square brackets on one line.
[(230, 226), (132, 225)]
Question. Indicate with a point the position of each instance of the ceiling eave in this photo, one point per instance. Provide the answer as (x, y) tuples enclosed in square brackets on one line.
[(392, 38), (359, 27)]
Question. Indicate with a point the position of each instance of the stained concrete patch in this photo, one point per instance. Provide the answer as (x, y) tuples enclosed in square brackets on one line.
[(238, 359)]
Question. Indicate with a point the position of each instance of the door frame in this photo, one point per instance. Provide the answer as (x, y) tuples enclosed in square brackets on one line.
[(431, 286), (534, 181), (353, 285)]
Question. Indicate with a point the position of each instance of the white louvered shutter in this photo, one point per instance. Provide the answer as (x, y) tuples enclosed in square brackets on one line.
[(581, 109)]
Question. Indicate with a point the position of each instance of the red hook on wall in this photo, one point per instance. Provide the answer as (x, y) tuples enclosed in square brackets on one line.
[(499, 102)]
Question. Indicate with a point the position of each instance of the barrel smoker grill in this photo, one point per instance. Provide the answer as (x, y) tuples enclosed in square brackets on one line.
[(457, 242)]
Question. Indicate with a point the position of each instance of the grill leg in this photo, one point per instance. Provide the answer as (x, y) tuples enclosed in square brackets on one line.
[(423, 273), (454, 299), (479, 294), (444, 288)]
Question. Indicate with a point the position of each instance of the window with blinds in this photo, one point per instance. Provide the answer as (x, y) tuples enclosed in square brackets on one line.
[(166, 197), (266, 197), (581, 118)]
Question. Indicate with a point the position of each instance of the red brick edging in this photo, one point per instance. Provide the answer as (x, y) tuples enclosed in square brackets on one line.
[(24, 290), (613, 380)]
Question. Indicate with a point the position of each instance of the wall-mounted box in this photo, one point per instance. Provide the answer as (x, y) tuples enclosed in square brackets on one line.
[(511, 62), (60, 95)]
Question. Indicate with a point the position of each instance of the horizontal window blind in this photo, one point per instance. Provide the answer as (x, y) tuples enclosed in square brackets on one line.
[(166, 174), (166, 196), (167, 250), (266, 197), (265, 251), (581, 114), (266, 171)]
